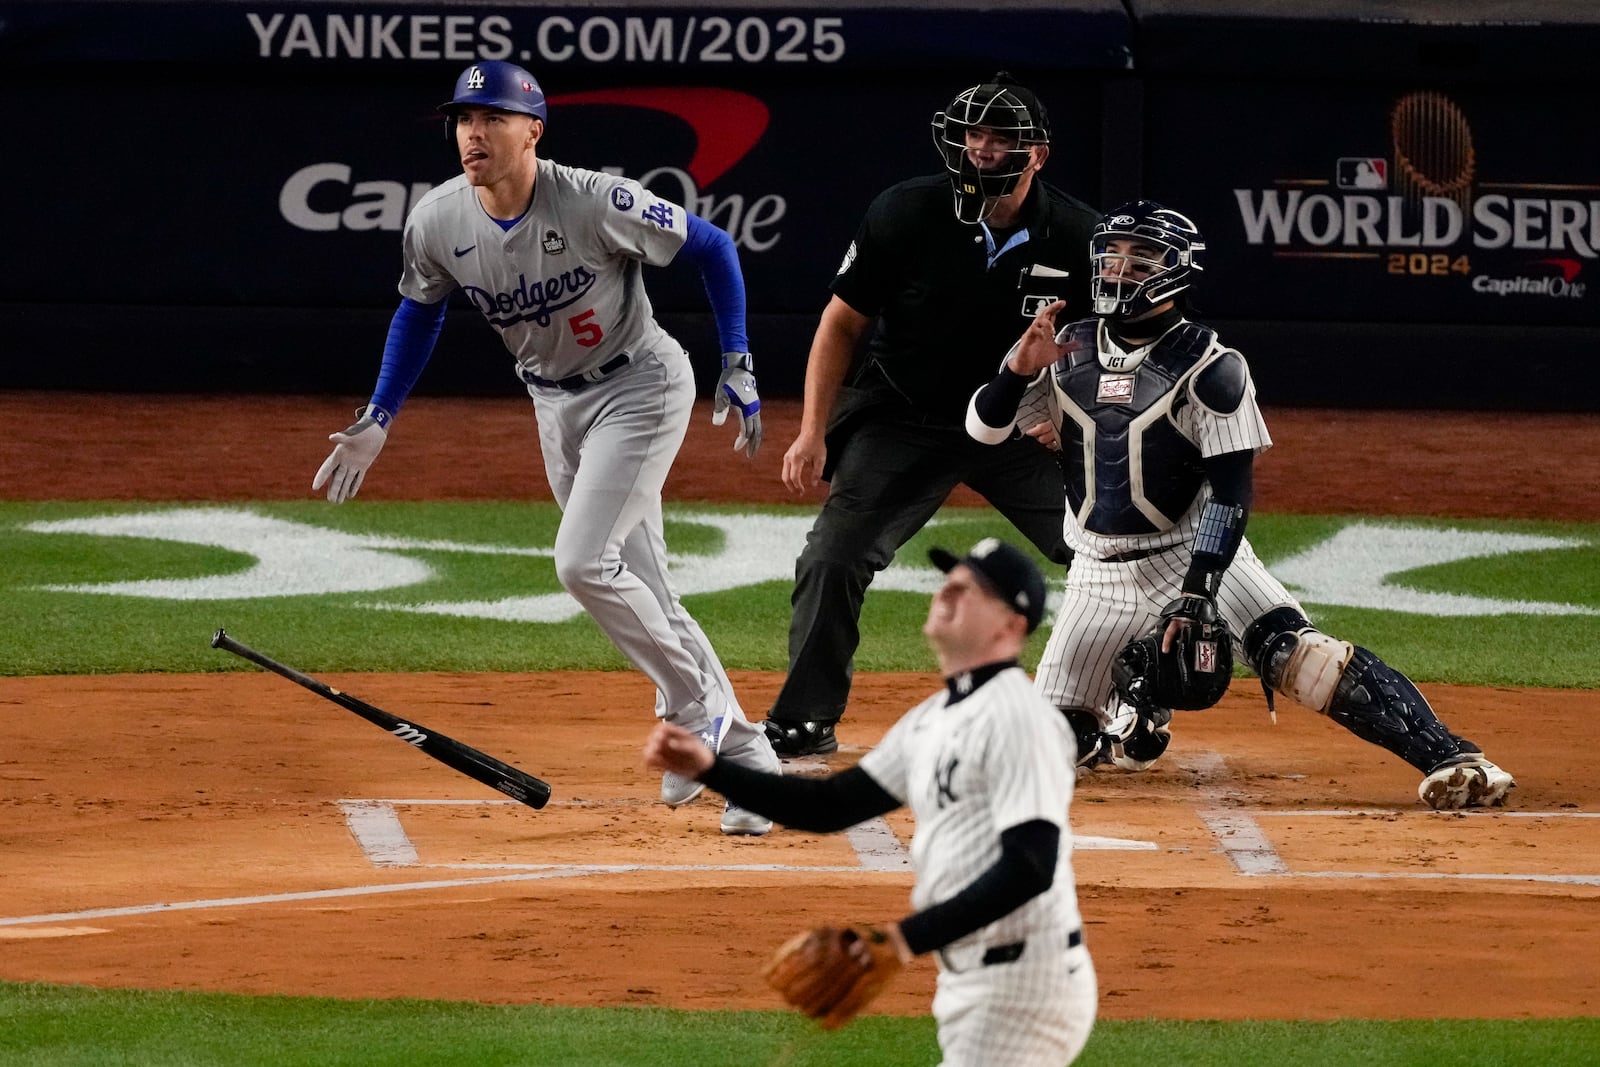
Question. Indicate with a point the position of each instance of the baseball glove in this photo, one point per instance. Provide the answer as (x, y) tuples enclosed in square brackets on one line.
[(1192, 675), (831, 973)]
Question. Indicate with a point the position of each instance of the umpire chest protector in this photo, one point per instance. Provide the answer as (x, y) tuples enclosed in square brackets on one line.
[(1128, 468)]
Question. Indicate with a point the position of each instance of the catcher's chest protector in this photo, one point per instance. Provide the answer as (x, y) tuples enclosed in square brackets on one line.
[(1122, 454)]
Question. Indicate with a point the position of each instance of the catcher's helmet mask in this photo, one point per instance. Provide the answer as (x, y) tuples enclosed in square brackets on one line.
[(1175, 266), (1191, 675), (497, 84), (1006, 108)]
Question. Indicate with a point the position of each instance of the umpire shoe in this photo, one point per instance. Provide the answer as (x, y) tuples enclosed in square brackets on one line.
[(801, 737), (1472, 782), (741, 822), (675, 788)]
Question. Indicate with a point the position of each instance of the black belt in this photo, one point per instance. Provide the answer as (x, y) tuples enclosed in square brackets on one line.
[(577, 381), (1129, 557), (1013, 952)]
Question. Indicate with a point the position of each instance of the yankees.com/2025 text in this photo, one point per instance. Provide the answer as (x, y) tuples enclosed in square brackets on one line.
[(679, 39)]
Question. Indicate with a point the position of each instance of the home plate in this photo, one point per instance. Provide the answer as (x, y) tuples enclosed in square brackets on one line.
[(1112, 844)]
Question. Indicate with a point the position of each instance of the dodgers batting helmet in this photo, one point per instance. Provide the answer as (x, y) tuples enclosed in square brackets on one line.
[(1006, 108), (1144, 281), (1191, 675), (498, 84)]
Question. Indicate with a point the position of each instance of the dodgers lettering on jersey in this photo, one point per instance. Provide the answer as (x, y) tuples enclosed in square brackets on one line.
[(563, 287), (969, 771)]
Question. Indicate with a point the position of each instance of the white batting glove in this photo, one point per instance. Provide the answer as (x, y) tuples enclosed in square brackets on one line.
[(354, 450), (737, 388)]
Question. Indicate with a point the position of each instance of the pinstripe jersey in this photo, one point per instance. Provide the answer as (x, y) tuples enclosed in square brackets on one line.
[(563, 287), (1107, 604), (970, 770), (1133, 431)]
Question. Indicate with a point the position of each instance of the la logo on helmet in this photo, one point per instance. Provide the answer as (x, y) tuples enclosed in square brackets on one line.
[(475, 79)]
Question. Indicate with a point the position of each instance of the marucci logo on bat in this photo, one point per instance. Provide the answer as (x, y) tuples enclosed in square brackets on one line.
[(409, 734)]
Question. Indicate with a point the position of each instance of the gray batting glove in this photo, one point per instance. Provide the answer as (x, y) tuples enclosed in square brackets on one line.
[(354, 450), (737, 388)]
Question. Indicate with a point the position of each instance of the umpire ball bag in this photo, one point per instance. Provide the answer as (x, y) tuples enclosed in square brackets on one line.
[(1190, 676)]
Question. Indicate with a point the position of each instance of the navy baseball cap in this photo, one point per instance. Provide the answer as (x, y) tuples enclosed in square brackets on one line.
[(1007, 572)]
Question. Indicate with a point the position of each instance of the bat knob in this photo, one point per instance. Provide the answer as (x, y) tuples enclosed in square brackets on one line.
[(216, 638)]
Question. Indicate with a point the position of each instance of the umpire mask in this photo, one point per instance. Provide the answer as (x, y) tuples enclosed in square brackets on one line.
[(1008, 110)]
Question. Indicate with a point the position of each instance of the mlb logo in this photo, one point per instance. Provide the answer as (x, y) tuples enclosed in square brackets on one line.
[(1362, 172), (1032, 305)]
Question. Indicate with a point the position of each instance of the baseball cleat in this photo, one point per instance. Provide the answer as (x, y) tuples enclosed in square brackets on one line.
[(676, 790), (1471, 783), (740, 822), (801, 737), (1138, 738)]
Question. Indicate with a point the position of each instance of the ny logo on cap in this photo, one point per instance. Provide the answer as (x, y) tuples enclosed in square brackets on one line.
[(475, 78)]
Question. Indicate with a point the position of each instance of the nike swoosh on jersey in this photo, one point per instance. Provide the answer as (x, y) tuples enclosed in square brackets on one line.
[(463, 251)]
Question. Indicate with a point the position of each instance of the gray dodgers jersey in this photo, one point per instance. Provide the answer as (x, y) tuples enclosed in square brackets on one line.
[(564, 286)]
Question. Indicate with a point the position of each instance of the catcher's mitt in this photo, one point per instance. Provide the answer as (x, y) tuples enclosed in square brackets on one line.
[(832, 973), (1192, 675)]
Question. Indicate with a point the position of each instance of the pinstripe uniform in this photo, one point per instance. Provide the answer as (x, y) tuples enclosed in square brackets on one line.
[(1133, 430), (1022, 990), (564, 289)]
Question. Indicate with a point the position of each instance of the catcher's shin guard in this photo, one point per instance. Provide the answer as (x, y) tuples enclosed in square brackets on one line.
[(1094, 746), (1353, 687)]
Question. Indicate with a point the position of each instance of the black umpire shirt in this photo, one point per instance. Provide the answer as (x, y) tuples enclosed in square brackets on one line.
[(946, 315)]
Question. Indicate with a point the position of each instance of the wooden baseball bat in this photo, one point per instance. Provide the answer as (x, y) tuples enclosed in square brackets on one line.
[(497, 774)]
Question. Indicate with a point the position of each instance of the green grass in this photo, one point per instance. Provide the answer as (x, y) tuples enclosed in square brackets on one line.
[(43, 631), (67, 1026)]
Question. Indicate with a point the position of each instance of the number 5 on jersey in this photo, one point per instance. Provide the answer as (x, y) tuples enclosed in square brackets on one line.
[(585, 330)]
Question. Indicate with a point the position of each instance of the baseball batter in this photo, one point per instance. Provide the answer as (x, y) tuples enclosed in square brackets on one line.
[(979, 763), (1159, 428), (552, 256)]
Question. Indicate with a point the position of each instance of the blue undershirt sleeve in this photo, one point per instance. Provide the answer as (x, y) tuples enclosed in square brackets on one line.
[(710, 249), (412, 334)]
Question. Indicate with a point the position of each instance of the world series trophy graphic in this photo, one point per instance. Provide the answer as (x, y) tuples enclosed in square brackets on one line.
[(1433, 153)]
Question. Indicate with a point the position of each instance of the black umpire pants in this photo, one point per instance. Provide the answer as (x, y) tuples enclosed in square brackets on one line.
[(890, 477)]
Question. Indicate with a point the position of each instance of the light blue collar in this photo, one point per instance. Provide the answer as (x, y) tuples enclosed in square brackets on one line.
[(1020, 237)]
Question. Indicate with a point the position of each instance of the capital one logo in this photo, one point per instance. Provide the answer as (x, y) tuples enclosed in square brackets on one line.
[(331, 196)]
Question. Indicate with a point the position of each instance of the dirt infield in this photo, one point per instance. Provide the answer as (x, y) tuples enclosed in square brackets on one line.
[(229, 832)]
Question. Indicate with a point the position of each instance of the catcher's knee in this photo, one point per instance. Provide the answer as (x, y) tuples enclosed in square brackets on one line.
[(1296, 659)]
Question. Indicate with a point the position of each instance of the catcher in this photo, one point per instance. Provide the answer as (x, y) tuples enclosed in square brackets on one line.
[(979, 763), (1158, 427)]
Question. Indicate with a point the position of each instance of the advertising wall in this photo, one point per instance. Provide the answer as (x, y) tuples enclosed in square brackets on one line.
[(236, 215), (1398, 206), (1395, 200)]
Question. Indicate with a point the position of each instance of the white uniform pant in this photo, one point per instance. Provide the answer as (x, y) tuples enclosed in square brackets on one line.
[(607, 450), (1035, 1011), (1106, 605)]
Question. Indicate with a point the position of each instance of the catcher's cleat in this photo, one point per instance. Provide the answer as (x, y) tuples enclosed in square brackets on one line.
[(801, 737), (741, 822), (677, 790), (1470, 783), (1138, 737)]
